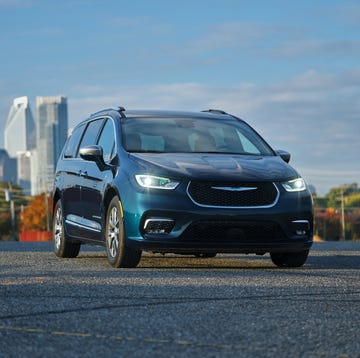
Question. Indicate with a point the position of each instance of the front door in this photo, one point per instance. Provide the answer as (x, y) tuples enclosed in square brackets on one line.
[(97, 181)]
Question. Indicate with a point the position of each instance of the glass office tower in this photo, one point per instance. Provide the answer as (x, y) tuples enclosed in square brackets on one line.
[(19, 133), (52, 128), (19, 137)]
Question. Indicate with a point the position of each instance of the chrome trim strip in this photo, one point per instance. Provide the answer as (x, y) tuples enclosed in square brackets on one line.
[(236, 207), (229, 188), (147, 221), (302, 222), (83, 223)]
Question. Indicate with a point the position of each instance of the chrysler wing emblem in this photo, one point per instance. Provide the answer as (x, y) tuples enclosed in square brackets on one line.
[(231, 188)]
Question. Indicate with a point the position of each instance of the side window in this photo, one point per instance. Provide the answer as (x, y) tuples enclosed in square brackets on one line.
[(248, 146), (107, 140), (72, 143), (91, 133)]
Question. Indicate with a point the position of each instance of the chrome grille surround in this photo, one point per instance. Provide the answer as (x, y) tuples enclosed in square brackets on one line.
[(234, 192)]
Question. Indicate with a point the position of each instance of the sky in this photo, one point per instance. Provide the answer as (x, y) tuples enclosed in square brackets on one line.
[(291, 69)]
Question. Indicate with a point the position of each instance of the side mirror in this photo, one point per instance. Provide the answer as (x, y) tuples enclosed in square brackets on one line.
[(93, 153), (285, 156)]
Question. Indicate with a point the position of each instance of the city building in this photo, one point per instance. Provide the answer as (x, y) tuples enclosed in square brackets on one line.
[(7, 167), (19, 137), (19, 133), (24, 171), (51, 134)]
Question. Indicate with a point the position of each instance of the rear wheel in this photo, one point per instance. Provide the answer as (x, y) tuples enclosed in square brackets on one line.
[(119, 255), (62, 247), (289, 259)]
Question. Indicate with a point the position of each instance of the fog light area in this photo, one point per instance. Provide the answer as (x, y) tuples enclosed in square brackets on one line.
[(301, 227), (158, 225)]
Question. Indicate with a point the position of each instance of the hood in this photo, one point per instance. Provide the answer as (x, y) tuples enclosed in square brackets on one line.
[(227, 167)]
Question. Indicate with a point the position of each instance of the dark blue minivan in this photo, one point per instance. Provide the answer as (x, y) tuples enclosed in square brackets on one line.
[(197, 183)]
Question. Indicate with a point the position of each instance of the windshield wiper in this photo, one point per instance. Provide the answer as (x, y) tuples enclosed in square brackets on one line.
[(232, 153), (145, 151)]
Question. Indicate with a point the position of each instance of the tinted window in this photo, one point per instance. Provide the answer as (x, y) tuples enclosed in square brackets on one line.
[(73, 142), (192, 135), (248, 146), (107, 140), (91, 133)]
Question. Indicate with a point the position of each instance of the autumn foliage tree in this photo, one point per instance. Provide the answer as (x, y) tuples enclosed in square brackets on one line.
[(341, 206), (327, 224), (34, 216)]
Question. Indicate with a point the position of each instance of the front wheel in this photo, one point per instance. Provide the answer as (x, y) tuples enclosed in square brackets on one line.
[(119, 255), (62, 247), (289, 259)]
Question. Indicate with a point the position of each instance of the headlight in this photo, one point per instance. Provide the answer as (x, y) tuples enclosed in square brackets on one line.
[(150, 181), (297, 184)]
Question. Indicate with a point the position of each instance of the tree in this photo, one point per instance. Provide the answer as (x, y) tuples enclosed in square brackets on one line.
[(19, 199), (327, 224), (338, 213), (334, 196), (34, 216), (353, 200)]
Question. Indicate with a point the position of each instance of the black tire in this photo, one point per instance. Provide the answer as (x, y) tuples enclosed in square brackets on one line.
[(62, 247), (289, 259), (119, 255), (206, 255)]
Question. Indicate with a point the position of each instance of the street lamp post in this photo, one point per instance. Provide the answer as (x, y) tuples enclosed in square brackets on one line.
[(343, 234), (8, 197)]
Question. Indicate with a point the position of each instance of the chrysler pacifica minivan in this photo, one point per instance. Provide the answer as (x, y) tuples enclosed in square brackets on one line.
[(196, 183)]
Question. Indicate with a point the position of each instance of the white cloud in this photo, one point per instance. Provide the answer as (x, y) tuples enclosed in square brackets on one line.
[(258, 40), (232, 38), (315, 116), (227, 35), (310, 48)]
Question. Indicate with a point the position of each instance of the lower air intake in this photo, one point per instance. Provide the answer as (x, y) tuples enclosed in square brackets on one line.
[(158, 226)]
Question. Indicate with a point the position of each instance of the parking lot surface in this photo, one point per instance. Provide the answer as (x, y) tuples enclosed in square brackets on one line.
[(179, 306)]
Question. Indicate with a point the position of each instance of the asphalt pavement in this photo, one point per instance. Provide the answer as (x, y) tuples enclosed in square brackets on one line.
[(178, 306)]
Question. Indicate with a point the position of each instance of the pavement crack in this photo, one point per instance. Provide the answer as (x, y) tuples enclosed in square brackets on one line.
[(159, 301)]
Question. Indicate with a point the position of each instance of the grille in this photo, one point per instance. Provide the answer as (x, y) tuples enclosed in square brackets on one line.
[(233, 231), (238, 194)]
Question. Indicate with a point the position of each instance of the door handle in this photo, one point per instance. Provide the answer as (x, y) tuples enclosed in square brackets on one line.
[(82, 174)]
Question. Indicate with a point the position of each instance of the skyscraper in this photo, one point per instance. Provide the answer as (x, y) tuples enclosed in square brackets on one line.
[(7, 167), (19, 137), (24, 171), (19, 133), (52, 127)]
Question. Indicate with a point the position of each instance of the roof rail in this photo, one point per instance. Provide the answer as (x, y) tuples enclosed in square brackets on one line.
[(219, 111), (117, 109)]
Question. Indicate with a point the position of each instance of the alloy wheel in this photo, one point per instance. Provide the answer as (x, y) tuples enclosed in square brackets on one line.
[(58, 228), (113, 232)]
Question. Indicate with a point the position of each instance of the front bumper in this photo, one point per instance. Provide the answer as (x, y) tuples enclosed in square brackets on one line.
[(168, 221), (219, 247)]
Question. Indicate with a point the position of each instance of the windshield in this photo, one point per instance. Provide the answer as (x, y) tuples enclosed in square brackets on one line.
[(191, 135)]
